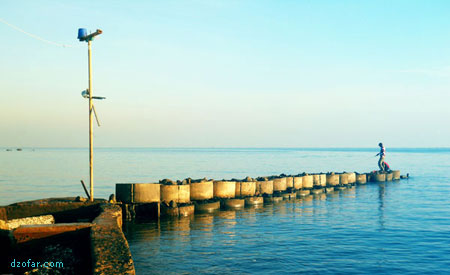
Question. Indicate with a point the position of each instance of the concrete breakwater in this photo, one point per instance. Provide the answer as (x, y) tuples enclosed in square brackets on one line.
[(182, 198), (81, 237)]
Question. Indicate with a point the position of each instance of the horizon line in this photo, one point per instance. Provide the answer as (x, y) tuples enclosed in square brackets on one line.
[(211, 147)]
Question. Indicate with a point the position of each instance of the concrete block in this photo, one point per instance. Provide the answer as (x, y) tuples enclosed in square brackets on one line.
[(138, 192), (254, 201), (233, 203), (289, 182), (248, 189), (378, 177), (186, 210), (279, 184), (389, 176), (176, 193), (396, 175), (351, 177), (224, 189), (343, 179), (361, 178), (202, 190), (207, 207), (332, 179), (266, 187), (298, 183), (308, 182)]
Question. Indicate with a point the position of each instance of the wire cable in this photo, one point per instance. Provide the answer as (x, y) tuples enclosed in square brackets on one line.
[(36, 37)]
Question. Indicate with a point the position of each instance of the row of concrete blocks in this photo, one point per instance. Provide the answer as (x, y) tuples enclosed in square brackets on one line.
[(198, 192)]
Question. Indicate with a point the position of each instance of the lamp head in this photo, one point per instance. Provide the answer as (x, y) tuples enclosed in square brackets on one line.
[(83, 36), (81, 33)]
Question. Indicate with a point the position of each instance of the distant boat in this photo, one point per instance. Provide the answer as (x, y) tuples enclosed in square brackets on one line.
[(19, 149), (8, 149)]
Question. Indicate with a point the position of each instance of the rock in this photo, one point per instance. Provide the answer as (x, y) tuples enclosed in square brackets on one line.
[(112, 198), (167, 182), (80, 199)]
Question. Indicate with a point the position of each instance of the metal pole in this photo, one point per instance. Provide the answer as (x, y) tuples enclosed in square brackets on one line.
[(91, 137)]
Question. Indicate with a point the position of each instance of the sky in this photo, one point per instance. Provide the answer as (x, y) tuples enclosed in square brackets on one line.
[(227, 73)]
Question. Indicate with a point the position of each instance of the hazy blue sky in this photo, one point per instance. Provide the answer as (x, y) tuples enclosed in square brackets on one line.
[(228, 73)]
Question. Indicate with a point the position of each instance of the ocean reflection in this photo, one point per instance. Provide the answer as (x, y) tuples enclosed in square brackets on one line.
[(381, 191), (290, 234)]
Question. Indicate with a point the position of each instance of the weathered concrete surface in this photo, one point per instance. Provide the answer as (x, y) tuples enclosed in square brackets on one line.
[(202, 190), (254, 201), (378, 177), (138, 192), (233, 203), (207, 207), (78, 245), (246, 189), (351, 177), (167, 211), (308, 182), (323, 180), (62, 209), (258, 188), (279, 184), (176, 193), (319, 180), (316, 180), (45, 219), (289, 182), (396, 175), (237, 192), (361, 178), (266, 187), (332, 179), (343, 179), (389, 176), (110, 251), (298, 183), (29, 232), (224, 189), (184, 210)]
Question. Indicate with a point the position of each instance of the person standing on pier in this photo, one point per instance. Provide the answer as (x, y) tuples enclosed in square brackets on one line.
[(382, 153)]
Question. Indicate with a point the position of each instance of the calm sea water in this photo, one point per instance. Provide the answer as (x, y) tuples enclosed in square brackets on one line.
[(396, 227)]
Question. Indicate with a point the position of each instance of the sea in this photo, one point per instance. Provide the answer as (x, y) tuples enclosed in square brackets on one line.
[(399, 227)]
